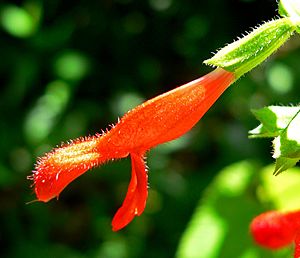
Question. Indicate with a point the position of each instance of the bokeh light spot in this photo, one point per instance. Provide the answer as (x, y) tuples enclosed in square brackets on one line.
[(17, 21), (280, 78), (160, 5), (71, 65), (232, 183), (125, 102), (113, 249), (211, 237), (44, 114)]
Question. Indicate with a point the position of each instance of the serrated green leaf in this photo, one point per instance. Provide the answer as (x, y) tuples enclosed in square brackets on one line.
[(287, 144), (291, 138), (274, 119), (283, 164), (283, 123)]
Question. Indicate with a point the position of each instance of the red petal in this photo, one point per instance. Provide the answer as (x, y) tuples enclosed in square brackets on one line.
[(297, 246), (273, 230), (135, 200), (170, 115)]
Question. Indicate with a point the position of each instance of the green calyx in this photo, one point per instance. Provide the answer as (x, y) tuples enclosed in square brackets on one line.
[(246, 53)]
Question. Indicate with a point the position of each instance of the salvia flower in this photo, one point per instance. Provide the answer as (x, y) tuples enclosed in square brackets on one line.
[(274, 230), (156, 121)]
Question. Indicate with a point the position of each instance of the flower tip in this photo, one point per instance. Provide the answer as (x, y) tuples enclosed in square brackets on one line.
[(121, 220), (272, 230), (116, 228)]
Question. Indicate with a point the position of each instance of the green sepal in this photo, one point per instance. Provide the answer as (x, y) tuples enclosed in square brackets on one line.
[(283, 164), (246, 53), (287, 145), (283, 123), (274, 119)]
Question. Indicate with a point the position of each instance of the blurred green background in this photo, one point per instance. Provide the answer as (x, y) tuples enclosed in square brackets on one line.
[(69, 69)]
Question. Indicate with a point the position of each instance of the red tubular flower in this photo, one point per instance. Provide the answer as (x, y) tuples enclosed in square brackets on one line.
[(158, 120), (275, 230)]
